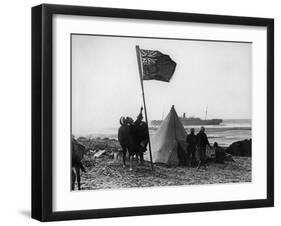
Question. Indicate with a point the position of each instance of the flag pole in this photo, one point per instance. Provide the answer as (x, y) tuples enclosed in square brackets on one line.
[(141, 80)]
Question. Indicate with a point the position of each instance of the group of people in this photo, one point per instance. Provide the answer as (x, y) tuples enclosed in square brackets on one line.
[(133, 137), (199, 142)]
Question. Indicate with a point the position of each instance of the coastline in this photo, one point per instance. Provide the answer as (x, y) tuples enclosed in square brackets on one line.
[(223, 135)]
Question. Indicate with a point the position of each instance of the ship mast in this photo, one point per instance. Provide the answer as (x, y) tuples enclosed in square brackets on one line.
[(206, 112)]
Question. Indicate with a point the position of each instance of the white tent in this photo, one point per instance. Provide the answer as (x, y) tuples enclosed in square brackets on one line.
[(168, 143)]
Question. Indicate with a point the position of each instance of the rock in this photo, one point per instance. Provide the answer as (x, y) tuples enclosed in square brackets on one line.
[(241, 148), (99, 153)]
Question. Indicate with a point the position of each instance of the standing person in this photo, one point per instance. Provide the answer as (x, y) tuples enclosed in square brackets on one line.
[(141, 135), (202, 142), (191, 141)]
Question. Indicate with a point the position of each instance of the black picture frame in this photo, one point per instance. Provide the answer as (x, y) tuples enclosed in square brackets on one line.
[(42, 107)]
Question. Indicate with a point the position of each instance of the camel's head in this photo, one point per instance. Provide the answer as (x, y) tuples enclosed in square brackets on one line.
[(122, 120)]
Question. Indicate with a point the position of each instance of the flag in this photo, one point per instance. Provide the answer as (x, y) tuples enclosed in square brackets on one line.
[(156, 65)]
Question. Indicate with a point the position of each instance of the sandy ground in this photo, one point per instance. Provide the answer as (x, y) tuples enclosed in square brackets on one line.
[(105, 172)]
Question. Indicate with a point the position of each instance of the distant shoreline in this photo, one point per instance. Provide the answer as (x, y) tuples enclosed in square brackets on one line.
[(223, 135), (87, 134)]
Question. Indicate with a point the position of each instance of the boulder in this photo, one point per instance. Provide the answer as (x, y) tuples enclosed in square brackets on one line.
[(99, 153), (82, 139), (241, 148)]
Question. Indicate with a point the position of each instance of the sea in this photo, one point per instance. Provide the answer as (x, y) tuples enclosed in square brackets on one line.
[(229, 131)]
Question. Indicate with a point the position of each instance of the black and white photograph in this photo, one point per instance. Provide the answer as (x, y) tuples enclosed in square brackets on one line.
[(142, 112), (151, 112)]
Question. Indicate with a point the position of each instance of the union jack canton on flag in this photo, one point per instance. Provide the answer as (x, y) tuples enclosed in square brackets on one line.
[(156, 65)]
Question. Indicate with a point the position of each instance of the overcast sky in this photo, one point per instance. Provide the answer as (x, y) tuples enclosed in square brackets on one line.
[(106, 84)]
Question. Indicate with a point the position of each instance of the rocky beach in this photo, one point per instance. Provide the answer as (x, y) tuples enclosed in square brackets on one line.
[(104, 169)]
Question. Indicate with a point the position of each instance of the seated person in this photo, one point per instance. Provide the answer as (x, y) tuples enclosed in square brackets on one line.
[(221, 155)]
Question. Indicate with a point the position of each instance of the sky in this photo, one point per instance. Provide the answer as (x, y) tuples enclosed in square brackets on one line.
[(106, 83)]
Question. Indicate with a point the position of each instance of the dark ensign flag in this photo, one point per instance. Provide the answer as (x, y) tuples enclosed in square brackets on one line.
[(156, 65)]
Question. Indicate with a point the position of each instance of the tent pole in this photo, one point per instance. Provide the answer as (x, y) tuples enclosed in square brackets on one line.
[(141, 80)]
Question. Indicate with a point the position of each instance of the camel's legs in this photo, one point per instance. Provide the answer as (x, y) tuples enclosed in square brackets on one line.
[(77, 168), (131, 162), (73, 178), (124, 156)]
